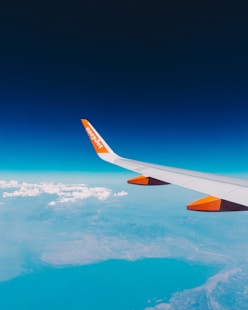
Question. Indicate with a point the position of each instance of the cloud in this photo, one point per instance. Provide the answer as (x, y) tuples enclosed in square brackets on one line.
[(66, 193), (52, 203), (9, 184), (121, 194), (23, 192)]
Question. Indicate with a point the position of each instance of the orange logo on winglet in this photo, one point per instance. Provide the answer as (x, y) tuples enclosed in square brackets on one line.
[(95, 140)]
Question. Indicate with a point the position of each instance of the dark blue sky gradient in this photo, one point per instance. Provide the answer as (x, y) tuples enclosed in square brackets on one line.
[(162, 83)]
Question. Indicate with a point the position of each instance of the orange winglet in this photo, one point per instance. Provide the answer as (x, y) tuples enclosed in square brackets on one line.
[(94, 138), (208, 204)]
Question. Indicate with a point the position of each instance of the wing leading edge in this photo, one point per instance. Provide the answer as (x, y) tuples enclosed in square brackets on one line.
[(227, 194)]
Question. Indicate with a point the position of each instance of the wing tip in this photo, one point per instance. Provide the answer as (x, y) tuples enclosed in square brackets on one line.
[(84, 121)]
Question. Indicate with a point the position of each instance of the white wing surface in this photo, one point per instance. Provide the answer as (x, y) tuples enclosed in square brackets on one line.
[(226, 193)]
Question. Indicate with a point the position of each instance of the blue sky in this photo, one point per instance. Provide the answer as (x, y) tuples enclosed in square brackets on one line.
[(162, 83)]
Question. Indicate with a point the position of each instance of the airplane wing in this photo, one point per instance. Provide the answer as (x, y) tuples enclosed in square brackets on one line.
[(226, 193)]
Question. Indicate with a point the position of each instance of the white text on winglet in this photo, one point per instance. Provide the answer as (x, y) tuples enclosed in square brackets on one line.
[(94, 138)]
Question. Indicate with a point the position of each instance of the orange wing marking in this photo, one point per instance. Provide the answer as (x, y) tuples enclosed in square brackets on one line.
[(95, 140)]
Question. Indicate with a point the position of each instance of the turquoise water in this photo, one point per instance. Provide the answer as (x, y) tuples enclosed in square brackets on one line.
[(108, 285)]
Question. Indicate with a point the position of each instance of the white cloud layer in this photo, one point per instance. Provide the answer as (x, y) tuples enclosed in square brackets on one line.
[(66, 193)]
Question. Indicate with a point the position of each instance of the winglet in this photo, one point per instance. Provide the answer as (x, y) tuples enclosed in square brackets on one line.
[(97, 141)]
